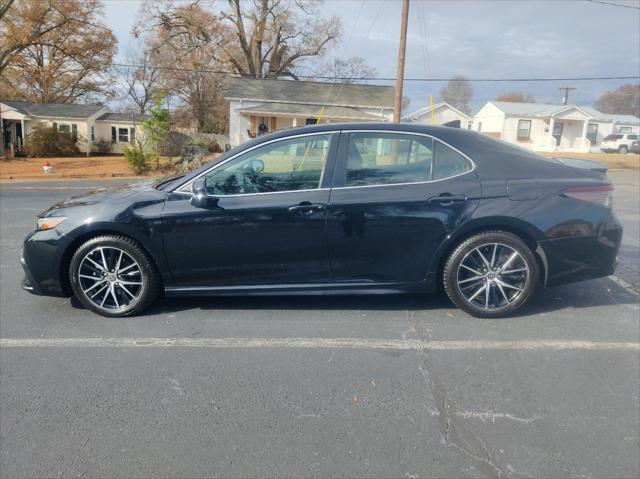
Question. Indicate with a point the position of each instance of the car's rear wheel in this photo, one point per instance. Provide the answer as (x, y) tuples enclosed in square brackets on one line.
[(113, 276), (491, 274), (623, 149)]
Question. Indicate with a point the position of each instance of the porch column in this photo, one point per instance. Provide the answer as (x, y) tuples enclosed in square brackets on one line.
[(24, 132), (552, 140), (585, 142)]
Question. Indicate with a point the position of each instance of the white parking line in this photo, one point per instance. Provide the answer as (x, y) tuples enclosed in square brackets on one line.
[(317, 343)]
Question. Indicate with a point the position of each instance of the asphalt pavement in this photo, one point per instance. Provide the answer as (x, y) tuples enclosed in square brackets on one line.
[(402, 386)]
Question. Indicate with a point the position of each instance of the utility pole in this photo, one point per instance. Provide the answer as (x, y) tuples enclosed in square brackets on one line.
[(565, 96), (397, 108), (1, 135)]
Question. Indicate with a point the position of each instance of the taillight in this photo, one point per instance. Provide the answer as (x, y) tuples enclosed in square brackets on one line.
[(602, 195)]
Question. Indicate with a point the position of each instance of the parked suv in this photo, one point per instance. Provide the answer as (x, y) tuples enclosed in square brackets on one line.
[(620, 143)]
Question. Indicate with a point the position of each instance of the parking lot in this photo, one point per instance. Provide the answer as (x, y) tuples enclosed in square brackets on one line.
[(401, 386)]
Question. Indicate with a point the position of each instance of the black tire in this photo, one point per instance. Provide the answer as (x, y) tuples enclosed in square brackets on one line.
[(623, 149), (149, 280), (528, 279)]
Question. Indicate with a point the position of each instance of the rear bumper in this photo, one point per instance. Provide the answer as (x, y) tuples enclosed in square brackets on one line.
[(576, 259)]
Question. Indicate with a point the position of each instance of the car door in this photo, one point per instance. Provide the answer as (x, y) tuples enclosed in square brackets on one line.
[(263, 221), (395, 198)]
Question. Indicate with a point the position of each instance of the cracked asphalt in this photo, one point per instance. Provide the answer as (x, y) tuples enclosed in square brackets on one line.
[(552, 392)]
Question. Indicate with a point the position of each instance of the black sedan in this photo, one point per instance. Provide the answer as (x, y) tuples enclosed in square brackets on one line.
[(336, 209)]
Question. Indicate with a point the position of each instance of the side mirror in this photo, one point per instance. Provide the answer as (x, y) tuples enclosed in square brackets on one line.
[(200, 197)]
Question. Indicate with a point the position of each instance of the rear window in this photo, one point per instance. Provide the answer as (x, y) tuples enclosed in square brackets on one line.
[(612, 137)]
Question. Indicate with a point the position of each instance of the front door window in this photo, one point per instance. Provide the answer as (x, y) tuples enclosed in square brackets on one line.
[(288, 165)]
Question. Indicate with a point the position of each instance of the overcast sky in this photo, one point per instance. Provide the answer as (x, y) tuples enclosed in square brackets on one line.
[(478, 39)]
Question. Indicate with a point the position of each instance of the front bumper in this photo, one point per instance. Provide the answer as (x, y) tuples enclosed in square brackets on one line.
[(41, 259), (28, 284)]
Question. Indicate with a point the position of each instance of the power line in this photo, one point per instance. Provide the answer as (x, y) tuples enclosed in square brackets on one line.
[(416, 79), (610, 4)]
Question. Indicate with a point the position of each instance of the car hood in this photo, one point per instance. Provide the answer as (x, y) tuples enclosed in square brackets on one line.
[(114, 194)]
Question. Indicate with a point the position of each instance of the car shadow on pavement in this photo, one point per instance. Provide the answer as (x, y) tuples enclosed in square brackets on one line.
[(595, 293)]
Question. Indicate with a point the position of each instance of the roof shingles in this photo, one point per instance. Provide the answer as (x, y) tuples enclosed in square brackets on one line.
[(54, 110), (312, 93)]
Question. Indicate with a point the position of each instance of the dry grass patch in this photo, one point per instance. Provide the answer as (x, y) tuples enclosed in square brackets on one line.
[(30, 169)]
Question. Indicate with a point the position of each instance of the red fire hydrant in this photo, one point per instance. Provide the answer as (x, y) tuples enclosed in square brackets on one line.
[(47, 168)]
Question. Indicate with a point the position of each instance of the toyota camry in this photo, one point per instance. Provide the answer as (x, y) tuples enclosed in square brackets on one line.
[(336, 209)]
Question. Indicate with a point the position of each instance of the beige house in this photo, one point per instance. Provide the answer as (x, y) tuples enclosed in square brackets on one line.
[(86, 124), (548, 127), (439, 114), (263, 106)]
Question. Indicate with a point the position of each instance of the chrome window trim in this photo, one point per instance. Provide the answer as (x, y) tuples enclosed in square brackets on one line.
[(181, 188), (465, 156)]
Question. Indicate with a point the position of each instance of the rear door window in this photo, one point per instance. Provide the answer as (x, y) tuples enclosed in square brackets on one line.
[(383, 158)]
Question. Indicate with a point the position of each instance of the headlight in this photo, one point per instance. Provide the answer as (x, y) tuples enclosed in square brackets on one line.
[(49, 223)]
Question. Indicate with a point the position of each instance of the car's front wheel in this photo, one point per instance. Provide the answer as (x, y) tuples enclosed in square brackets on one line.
[(491, 274), (113, 276), (623, 149)]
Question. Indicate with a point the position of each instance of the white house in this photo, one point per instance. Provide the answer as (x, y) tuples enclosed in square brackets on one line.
[(86, 124), (440, 114), (263, 106), (545, 127)]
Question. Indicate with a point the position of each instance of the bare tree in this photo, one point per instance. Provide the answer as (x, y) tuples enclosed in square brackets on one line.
[(141, 81), (457, 93), (516, 97), (349, 70), (624, 101), (184, 49), (275, 37)]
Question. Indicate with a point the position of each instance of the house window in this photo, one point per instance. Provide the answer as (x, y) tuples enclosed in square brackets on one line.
[(624, 129), (592, 132), (123, 135), (114, 134), (524, 128), (66, 129), (93, 133)]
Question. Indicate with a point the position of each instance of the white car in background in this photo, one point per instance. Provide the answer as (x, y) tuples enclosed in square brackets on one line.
[(618, 142)]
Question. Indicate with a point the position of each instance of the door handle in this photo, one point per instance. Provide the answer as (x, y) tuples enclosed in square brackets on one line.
[(446, 200), (306, 208)]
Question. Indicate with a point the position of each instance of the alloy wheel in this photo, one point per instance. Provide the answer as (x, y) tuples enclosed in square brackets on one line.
[(492, 276), (110, 278)]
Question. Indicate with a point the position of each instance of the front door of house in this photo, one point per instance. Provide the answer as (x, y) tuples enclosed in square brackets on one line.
[(557, 132)]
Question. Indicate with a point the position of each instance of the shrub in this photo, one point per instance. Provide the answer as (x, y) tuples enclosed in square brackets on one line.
[(214, 147), (196, 142), (137, 160), (174, 143), (46, 141), (103, 146)]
